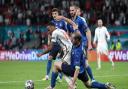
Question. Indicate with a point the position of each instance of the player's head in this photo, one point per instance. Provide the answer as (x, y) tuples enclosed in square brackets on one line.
[(51, 27), (72, 10), (78, 12), (55, 13), (100, 23), (76, 38)]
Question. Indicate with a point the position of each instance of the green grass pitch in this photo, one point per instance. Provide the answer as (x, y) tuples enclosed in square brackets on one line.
[(13, 75)]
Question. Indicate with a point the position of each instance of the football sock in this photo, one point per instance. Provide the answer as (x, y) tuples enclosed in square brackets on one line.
[(98, 85), (89, 71), (53, 79), (49, 65)]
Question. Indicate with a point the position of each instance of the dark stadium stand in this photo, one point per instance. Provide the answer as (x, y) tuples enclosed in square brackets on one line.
[(21, 14)]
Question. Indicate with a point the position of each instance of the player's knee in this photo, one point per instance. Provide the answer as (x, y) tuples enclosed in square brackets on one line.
[(57, 65)]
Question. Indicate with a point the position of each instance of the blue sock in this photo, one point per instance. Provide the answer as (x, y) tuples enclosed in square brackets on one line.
[(53, 79), (98, 85), (89, 71), (60, 75), (49, 65)]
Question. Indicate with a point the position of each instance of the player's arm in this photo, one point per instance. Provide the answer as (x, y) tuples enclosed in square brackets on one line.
[(69, 21), (107, 34), (88, 34), (77, 68), (95, 38), (53, 40), (46, 51)]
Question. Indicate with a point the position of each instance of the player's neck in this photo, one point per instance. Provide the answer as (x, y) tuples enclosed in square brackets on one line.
[(73, 18), (100, 26)]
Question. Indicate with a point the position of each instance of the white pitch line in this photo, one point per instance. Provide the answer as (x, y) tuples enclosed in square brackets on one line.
[(124, 75), (17, 81), (2, 82)]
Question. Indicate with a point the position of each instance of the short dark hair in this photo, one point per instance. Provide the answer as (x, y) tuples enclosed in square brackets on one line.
[(56, 10), (77, 36), (75, 6)]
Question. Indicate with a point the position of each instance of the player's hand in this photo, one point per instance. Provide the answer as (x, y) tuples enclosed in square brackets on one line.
[(75, 27), (59, 17), (89, 47), (39, 55), (94, 45)]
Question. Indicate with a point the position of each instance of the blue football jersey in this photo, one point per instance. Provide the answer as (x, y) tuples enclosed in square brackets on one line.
[(60, 24), (82, 27), (78, 58)]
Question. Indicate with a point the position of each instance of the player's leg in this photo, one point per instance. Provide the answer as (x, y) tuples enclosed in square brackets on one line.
[(56, 69), (68, 73), (84, 78), (87, 67), (59, 56), (89, 70), (98, 58), (49, 65), (52, 56), (110, 59)]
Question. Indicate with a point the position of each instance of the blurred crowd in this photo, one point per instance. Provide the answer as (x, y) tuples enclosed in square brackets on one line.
[(27, 39), (38, 12)]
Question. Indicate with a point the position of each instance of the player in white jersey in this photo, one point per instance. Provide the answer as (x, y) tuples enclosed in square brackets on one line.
[(61, 37), (101, 37)]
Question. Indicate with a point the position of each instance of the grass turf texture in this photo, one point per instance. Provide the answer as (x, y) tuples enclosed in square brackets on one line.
[(13, 75)]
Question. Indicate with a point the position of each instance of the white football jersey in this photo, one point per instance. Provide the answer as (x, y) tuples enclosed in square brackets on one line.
[(62, 38), (101, 35)]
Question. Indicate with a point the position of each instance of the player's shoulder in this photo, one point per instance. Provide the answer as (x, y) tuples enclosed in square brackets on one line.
[(97, 28), (52, 21), (104, 27), (80, 18), (83, 19)]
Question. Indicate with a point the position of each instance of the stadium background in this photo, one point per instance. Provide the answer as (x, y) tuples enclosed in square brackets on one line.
[(23, 25)]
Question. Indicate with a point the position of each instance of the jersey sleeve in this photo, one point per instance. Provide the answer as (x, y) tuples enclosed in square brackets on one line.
[(84, 24), (65, 26), (54, 37), (95, 36), (107, 34), (70, 28)]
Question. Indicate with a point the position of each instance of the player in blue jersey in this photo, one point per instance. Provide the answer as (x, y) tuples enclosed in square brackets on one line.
[(58, 23), (56, 48), (85, 32), (77, 68)]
